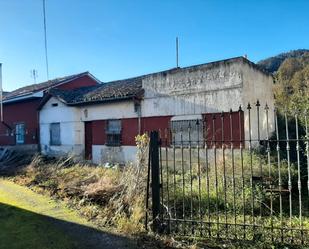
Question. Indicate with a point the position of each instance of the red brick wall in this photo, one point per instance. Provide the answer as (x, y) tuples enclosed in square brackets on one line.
[(80, 82), (21, 112)]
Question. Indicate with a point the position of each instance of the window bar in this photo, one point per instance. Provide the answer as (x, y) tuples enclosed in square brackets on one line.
[(259, 140), (191, 176), (289, 169), (299, 176), (279, 172), (216, 172), (251, 165), (233, 171), (269, 172), (199, 175), (224, 171), (183, 182), (167, 181), (207, 177), (242, 170)]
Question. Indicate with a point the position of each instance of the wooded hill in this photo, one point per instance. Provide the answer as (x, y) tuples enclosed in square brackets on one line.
[(291, 72)]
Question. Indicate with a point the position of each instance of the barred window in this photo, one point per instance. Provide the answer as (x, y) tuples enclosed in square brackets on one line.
[(20, 133), (55, 138), (113, 133), (187, 132)]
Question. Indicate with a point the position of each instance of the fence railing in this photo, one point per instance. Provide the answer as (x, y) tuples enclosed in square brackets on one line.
[(235, 175)]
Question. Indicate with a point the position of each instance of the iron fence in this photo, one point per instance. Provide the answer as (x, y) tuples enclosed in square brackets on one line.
[(236, 175)]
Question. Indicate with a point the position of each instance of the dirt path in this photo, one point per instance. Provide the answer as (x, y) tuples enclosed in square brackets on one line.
[(30, 220)]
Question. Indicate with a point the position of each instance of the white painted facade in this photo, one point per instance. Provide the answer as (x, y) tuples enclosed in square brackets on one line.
[(72, 130), (208, 88)]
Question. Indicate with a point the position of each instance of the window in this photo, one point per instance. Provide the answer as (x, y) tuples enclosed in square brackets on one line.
[(55, 134), (20, 133), (113, 132), (187, 132)]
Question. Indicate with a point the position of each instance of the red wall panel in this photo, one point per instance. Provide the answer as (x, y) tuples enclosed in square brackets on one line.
[(80, 82), (21, 112), (129, 130), (98, 132), (161, 124), (224, 127)]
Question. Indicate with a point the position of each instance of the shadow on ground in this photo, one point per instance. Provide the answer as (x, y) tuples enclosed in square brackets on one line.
[(23, 229)]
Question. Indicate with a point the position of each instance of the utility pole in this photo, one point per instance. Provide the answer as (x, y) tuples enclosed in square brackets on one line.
[(45, 39), (177, 52)]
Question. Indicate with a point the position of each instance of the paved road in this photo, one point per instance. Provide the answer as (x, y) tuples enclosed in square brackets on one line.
[(30, 220)]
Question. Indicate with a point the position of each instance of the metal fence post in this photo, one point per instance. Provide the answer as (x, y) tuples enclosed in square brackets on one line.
[(155, 179)]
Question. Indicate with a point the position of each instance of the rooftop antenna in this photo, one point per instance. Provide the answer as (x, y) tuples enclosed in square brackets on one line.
[(45, 39), (34, 75), (177, 52), (1, 93)]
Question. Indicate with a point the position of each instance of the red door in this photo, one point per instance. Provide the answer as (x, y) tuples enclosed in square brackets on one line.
[(88, 140)]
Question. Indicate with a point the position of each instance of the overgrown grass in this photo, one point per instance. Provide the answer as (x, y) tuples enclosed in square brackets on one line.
[(224, 192), (111, 197)]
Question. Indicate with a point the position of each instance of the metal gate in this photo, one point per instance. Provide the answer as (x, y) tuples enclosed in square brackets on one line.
[(226, 177)]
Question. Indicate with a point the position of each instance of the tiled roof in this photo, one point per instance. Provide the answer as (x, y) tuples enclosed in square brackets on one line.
[(115, 90), (41, 86)]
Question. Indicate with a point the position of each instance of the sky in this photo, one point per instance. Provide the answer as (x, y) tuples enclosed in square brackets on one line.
[(125, 38)]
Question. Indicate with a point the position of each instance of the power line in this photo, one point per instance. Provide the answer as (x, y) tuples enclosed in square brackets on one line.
[(45, 38)]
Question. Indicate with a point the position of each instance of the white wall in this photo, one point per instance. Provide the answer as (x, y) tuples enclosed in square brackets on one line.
[(113, 110), (71, 129), (72, 135), (195, 90), (258, 86)]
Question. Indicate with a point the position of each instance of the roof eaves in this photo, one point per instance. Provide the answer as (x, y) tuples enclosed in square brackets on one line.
[(80, 103)]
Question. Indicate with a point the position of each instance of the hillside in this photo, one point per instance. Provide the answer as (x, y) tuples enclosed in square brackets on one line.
[(291, 73), (272, 64)]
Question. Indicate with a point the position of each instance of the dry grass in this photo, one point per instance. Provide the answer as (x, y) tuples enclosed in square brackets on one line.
[(109, 196)]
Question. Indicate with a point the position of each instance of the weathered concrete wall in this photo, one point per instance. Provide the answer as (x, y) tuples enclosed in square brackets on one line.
[(102, 154), (194, 90), (211, 89), (257, 86)]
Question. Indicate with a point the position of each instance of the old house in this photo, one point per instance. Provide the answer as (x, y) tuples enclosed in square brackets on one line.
[(20, 126), (101, 122)]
